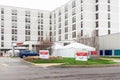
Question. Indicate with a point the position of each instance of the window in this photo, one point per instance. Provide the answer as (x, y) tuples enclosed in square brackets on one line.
[(97, 8), (54, 33), (108, 7), (97, 24), (59, 25), (2, 17), (81, 1), (73, 19), (14, 12), (50, 22), (14, 25), (38, 32), (2, 44), (74, 27), (50, 27), (66, 8), (27, 32), (27, 38), (108, 1), (41, 21), (73, 4), (108, 16), (50, 33), (66, 36), (81, 24), (38, 14), (41, 33), (38, 21), (59, 19), (27, 26), (27, 19), (59, 12), (109, 25), (59, 38), (14, 31), (42, 15), (66, 29), (81, 32), (2, 30), (2, 23), (2, 10), (73, 34), (96, 1), (97, 15), (50, 16), (109, 32), (41, 38), (81, 16), (97, 33), (14, 38), (59, 31), (66, 15), (27, 13), (2, 37), (73, 12), (14, 18), (66, 22), (81, 8)]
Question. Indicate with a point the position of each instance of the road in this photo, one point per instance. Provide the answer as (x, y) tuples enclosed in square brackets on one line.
[(15, 69)]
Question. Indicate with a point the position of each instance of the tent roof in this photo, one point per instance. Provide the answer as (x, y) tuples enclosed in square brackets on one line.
[(79, 46), (57, 46)]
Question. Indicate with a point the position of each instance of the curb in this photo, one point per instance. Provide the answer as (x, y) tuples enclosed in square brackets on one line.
[(59, 65)]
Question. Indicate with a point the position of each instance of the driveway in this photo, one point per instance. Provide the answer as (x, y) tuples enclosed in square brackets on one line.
[(15, 69)]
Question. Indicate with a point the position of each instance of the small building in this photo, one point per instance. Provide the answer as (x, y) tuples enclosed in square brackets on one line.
[(109, 45)]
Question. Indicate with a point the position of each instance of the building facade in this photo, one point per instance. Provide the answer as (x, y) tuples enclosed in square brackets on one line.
[(20, 24), (109, 45), (85, 17), (77, 17)]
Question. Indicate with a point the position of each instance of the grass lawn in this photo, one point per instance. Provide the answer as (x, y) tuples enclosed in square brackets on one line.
[(72, 61)]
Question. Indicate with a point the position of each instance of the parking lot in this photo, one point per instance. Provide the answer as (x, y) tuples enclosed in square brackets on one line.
[(16, 69)]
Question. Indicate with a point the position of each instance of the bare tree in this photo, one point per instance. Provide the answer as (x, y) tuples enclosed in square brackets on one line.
[(91, 41), (95, 40), (45, 45)]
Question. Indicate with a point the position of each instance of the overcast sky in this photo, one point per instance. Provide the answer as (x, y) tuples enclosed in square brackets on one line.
[(35, 4)]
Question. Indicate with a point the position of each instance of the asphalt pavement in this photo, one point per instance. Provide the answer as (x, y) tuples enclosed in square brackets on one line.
[(16, 69)]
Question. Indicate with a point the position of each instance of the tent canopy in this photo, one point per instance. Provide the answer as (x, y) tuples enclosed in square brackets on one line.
[(79, 46), (57, 46)]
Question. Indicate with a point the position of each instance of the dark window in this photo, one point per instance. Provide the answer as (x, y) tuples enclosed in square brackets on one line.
[(97, 24), (97, 16), (109, 32), (109, 25), (74, 27), (108, 7), (96, 1), (73, 4), (97, 8)]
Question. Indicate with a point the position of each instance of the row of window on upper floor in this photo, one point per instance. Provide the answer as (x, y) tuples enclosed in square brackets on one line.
[(98, 1), (27, 13)]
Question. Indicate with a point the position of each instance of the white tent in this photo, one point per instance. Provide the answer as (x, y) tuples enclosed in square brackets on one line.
[(71, 49), (56, 49)]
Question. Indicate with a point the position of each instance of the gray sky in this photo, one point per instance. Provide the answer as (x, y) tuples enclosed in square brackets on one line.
[(35, 4)]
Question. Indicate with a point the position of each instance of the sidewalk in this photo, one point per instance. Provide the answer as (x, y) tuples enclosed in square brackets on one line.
[(113, 59)]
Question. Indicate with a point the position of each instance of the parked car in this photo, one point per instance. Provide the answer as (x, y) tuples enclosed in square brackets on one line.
[(25, 53)]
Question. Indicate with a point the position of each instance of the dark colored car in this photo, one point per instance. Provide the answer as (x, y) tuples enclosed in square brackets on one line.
[(25, 53)]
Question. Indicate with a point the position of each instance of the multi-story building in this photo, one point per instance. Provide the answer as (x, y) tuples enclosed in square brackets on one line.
[(21, 24), (77, 17), (85, 17)]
